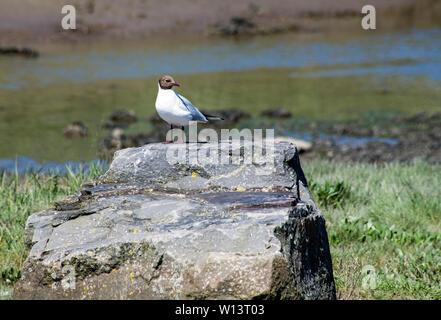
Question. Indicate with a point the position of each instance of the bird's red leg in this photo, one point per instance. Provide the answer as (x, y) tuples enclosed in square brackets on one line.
[(168, 142), (183, 134)]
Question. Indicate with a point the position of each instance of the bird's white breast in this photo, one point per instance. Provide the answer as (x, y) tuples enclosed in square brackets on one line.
[(171, 109)]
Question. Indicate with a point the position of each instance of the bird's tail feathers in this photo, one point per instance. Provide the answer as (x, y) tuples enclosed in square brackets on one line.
[(212, 118)]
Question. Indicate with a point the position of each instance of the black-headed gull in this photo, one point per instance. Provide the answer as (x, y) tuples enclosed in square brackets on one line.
[(175, 109)]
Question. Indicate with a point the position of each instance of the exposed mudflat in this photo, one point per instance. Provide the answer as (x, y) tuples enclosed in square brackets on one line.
[(408, 138), (26, 21)]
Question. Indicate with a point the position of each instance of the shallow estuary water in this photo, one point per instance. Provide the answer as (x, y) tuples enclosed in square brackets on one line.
[(316, 77)]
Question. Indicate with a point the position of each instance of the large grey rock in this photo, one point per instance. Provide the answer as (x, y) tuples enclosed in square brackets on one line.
[(153, 229), (220, 166)]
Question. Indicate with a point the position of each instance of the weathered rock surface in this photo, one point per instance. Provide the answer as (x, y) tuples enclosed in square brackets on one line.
[(301, 145), (151, 228)]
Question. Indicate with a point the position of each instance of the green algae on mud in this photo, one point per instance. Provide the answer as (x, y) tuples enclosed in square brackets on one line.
[(33, 118)]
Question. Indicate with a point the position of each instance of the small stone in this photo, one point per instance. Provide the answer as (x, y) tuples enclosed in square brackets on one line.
[(278, 113), (75, 130)]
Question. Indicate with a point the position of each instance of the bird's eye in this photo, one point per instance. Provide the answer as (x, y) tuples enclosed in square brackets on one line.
[(168, 80)]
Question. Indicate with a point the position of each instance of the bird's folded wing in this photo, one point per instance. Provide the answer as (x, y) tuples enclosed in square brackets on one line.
[(196, 114)]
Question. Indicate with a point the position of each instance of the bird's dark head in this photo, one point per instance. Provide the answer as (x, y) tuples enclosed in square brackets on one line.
[(167, 82)]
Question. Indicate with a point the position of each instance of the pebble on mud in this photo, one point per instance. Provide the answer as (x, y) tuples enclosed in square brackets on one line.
[(276, 113), (75, 130)]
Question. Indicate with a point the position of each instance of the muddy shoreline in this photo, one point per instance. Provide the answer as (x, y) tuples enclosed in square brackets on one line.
[(29, 22), (391, 139), (408, 139), (404, 140)]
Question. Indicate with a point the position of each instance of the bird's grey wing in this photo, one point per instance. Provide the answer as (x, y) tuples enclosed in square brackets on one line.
[(196, 114)]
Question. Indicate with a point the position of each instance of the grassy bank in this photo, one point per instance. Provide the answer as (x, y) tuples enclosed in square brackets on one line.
[(383, 223), (20, 196)]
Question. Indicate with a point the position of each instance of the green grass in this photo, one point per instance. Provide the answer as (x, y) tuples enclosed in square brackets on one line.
[(19, 197), (384, 220)]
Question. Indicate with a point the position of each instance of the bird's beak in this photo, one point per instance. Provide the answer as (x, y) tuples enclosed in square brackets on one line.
[(176, 84)]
